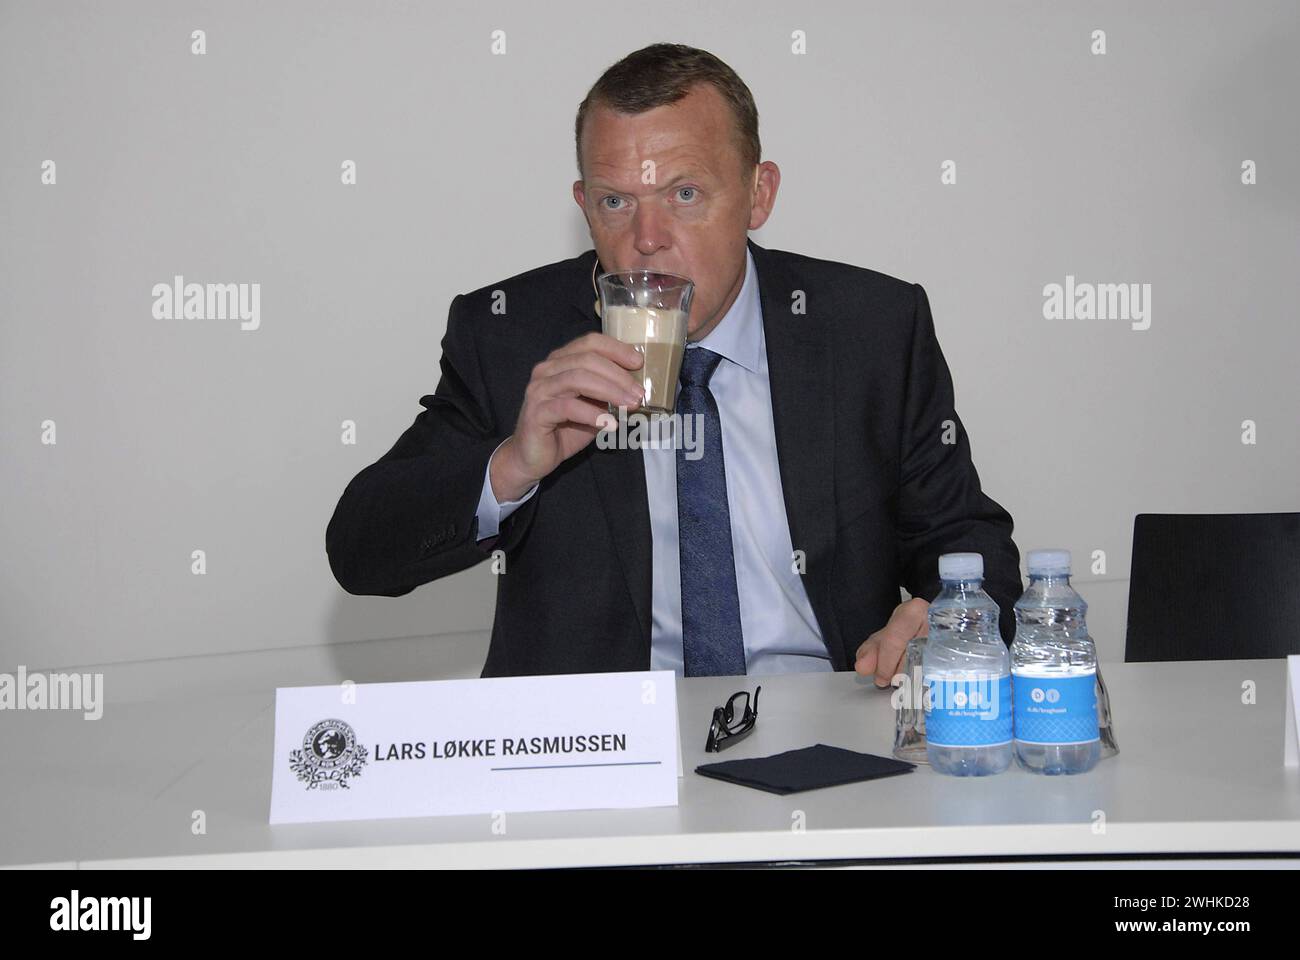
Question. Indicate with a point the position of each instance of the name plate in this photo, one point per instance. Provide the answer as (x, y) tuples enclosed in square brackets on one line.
[(430, 748)]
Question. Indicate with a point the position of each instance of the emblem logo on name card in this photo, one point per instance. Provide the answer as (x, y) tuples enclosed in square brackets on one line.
[(330, 755)]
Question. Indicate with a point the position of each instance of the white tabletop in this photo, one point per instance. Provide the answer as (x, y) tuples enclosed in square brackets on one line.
[(1199, 772)]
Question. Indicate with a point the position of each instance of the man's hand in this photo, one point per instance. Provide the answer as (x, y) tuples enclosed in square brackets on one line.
[(564, 409), (881, 652)]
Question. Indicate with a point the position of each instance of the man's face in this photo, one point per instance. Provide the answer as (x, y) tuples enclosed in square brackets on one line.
[(694, 217)]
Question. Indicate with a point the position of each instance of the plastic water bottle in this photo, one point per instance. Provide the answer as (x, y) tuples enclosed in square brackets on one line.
[(967, 675), (1054, 672)]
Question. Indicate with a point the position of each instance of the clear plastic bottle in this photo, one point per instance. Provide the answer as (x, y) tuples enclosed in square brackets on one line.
[(968, 724), (1054, 672)]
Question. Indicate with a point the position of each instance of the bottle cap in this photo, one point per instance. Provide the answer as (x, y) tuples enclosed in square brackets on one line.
[(961, 566), (1044, 563)]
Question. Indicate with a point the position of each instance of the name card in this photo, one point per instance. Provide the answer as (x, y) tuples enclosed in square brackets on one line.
[(429, 748), (1292, 718)]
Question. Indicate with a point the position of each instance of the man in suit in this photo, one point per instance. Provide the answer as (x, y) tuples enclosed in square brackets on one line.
[(834, 467)]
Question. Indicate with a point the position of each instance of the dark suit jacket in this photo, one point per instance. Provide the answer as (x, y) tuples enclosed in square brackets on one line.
[(860, 394)]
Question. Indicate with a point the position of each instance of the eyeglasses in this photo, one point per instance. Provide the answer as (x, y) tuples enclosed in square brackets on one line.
[(725, 728)]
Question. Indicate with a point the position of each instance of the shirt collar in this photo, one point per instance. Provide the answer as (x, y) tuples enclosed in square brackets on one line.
[(736, 336)]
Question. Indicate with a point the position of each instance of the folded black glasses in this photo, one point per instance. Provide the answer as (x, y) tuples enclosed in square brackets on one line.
[(725, 728)]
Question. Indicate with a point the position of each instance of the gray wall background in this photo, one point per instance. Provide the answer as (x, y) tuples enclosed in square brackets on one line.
[(175, 435)]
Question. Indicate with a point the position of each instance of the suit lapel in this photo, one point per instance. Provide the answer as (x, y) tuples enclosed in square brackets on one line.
[(620, 480), (800, 371)]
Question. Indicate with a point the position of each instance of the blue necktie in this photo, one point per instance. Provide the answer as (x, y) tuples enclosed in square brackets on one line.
[(712, 643)]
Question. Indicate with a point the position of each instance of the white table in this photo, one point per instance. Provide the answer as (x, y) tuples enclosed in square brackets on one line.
[(1199, 772)]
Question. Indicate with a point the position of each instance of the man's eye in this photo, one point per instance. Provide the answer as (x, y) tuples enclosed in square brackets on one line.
[(691, 190), (603, 199)]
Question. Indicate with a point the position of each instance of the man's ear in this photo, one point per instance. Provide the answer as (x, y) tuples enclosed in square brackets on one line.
[(580, 197), (767, 179)]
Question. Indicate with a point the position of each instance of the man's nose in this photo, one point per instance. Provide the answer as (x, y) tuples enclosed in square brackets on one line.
[(649, 230)]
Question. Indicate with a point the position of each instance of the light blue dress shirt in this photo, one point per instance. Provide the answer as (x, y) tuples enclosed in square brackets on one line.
[(780, 630)]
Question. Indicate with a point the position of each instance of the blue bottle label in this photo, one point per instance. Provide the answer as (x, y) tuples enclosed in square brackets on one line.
[(1057, 710), (968, 712)]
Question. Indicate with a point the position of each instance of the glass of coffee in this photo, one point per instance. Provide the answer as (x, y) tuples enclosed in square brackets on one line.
[(649, 310)]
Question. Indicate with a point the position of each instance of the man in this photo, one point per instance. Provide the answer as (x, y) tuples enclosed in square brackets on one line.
[(839, 469)]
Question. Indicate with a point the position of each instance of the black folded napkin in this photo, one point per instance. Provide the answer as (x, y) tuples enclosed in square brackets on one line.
[(805, 769)]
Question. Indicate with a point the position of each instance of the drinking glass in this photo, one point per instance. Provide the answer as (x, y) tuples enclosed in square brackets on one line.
[(649, 310)]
